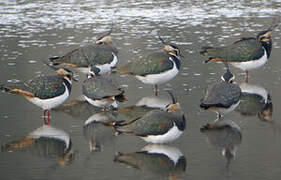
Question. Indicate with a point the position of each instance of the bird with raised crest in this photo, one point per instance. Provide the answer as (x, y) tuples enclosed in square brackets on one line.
[(101, 54), (247, 53), (46, 92), (156, 68), (156, 126)]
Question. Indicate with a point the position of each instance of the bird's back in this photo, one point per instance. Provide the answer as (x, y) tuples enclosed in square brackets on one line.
[(221, 95), (152, 64), (45, 87), (99, 87)]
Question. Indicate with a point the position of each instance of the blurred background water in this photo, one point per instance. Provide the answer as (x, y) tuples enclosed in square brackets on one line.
[(33, 31)]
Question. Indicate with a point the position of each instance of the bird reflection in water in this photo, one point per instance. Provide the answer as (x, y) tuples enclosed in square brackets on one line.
[(161, 160), (96, 132), (79, 109), (255, 100), (225, 135), (144, 105), (45, 141)]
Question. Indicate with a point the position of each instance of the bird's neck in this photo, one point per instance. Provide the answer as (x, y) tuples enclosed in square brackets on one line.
[(267, 46), (68, 84), (177, 61), (180, 122)]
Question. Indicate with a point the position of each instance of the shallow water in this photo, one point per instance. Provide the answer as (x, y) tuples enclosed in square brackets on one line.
[(32, 31)]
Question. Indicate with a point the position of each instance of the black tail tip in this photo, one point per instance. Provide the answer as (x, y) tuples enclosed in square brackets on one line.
[(204, 106), (54, 58), (121, 98)]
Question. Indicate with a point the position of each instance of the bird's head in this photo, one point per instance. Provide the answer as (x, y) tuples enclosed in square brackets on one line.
[(66, 73), (228, 77), (174, 106), (94, 71), (265, 36), (170, 48)]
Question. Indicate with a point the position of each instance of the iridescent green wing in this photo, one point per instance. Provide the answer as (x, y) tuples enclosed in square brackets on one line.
[(245, 49), (100, 54), (89, 55), (153, 123), (153, 64), (45, 87)]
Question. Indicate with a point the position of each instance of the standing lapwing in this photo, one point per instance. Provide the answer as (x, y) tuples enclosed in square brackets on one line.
[(156, 126), (102, 54), (222, 97), (247, 53), (102, 91), (156, 68), (46, 92)]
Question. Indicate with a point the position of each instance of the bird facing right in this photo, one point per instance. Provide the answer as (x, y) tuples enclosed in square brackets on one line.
[(247, 53), (156, 68)]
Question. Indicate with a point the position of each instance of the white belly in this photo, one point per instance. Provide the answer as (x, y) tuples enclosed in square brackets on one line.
[(159, 78), (100, 103), (50, 103), (104, 68), (171, 135), (249, 65)]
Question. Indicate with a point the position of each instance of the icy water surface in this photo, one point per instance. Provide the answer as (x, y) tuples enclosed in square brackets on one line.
[(32, 31)]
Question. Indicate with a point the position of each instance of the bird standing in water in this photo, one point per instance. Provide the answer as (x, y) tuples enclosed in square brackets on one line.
[(247, 53), (102, 54), (46, 92), (156, 68), (102, 91), (156, 126), (222, 97)]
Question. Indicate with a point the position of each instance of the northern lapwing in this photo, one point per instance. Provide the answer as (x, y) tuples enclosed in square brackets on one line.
[(247, 53), (255, 100), (102, 91), (102, 54), (162, 160), (225, 135), (222, 97), (46, 141), (46, 92), (156, 68), (156, 126)]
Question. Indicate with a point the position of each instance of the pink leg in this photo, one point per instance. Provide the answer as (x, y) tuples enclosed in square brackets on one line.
[(48, 117), (156, 90), (246, 79)]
